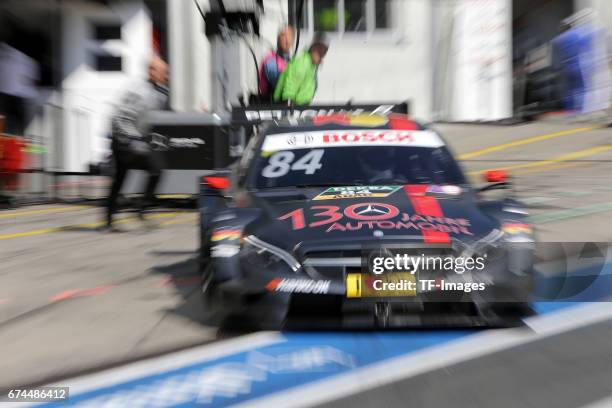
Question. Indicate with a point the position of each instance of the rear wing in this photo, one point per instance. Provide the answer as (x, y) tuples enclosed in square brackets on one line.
[(257, 114)]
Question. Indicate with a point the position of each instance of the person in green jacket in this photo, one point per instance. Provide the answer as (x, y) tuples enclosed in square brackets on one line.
[(298, 82)]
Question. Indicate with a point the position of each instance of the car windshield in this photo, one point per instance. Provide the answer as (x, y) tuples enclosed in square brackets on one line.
[(288, 163)]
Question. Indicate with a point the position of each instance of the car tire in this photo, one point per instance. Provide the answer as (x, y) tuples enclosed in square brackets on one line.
[(213, 308)]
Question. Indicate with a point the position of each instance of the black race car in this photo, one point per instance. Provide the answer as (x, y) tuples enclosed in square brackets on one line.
[(311, 227)]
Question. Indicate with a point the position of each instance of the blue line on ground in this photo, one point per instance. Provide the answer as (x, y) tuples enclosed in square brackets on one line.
[(301, 359)]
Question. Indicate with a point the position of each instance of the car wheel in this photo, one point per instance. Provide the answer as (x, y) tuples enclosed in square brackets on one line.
[(213, 308)]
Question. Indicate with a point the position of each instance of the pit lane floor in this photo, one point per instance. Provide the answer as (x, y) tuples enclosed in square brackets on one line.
[(73, 299)]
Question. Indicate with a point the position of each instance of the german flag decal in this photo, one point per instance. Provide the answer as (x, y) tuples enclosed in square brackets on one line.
[(226, 234)]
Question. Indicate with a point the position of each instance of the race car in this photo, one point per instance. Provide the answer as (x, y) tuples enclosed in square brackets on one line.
[(290, 233)]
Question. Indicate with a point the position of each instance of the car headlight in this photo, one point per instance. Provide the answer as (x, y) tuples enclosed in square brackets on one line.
[(260, 253), (499, 243)]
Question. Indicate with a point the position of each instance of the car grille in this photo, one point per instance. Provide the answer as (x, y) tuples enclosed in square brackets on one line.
[(335, 264)]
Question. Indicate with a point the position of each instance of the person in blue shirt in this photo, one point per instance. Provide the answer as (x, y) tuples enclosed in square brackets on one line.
[(568, 49)]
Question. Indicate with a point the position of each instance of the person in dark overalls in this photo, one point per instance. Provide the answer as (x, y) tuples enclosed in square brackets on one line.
[(131, 145)]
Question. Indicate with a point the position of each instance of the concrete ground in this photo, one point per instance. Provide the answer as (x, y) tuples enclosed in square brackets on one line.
[(73, 299), (568, 370), (78, 298)]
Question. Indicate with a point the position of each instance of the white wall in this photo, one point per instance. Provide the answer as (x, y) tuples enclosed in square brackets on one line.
[(89, 96), (394, 67), (603, 9), (482, 60), (190, 57)]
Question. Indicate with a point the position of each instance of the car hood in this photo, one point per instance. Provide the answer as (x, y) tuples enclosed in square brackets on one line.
[(331, 216)]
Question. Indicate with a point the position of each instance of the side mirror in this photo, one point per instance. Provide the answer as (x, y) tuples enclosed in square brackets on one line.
[(496, 176), (497, 179)]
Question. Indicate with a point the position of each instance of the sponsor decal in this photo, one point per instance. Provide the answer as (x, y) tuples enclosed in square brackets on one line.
[(161, 142), (309, 359), (371, 211), (434, 190), (378, 217), (352, 120), (452, 190), (186, 142), (447, 190), (224, 251), (226, 234), (402, 122), (427, 206), (296, 113), (359, 137), (335, 193), (368, 120), (339, 119), (315, 287), (426, 228), (296, 139), (360, 285), (517, 228), (224, 381)]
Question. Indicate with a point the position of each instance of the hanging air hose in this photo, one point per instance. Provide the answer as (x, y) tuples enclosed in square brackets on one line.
[(298, 24), (221, 8)]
